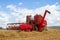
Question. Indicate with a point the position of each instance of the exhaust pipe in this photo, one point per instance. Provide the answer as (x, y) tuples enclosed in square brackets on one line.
[(48, 11)]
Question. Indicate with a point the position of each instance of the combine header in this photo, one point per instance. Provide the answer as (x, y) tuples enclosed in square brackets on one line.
[(37, 24)]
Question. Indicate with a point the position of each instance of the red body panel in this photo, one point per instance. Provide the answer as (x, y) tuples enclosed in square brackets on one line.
[(37, 18), (25, 27), (43, 24)]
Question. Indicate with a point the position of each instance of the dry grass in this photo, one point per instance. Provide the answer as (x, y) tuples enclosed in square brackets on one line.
[(51, 34)]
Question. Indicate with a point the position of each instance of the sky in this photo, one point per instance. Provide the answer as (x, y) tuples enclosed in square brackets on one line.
[(16, 10)]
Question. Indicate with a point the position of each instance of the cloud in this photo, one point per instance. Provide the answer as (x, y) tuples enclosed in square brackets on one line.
[(4, 19), (11, 7), (20, 3)]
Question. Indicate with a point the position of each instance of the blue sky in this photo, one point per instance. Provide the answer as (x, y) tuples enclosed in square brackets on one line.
[(16, 10), (29, 3)]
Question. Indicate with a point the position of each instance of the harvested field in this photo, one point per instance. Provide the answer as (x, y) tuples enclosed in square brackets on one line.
[(51, 34)]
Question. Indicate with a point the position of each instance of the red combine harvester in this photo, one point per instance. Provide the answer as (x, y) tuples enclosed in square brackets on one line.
[(38, 24)]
